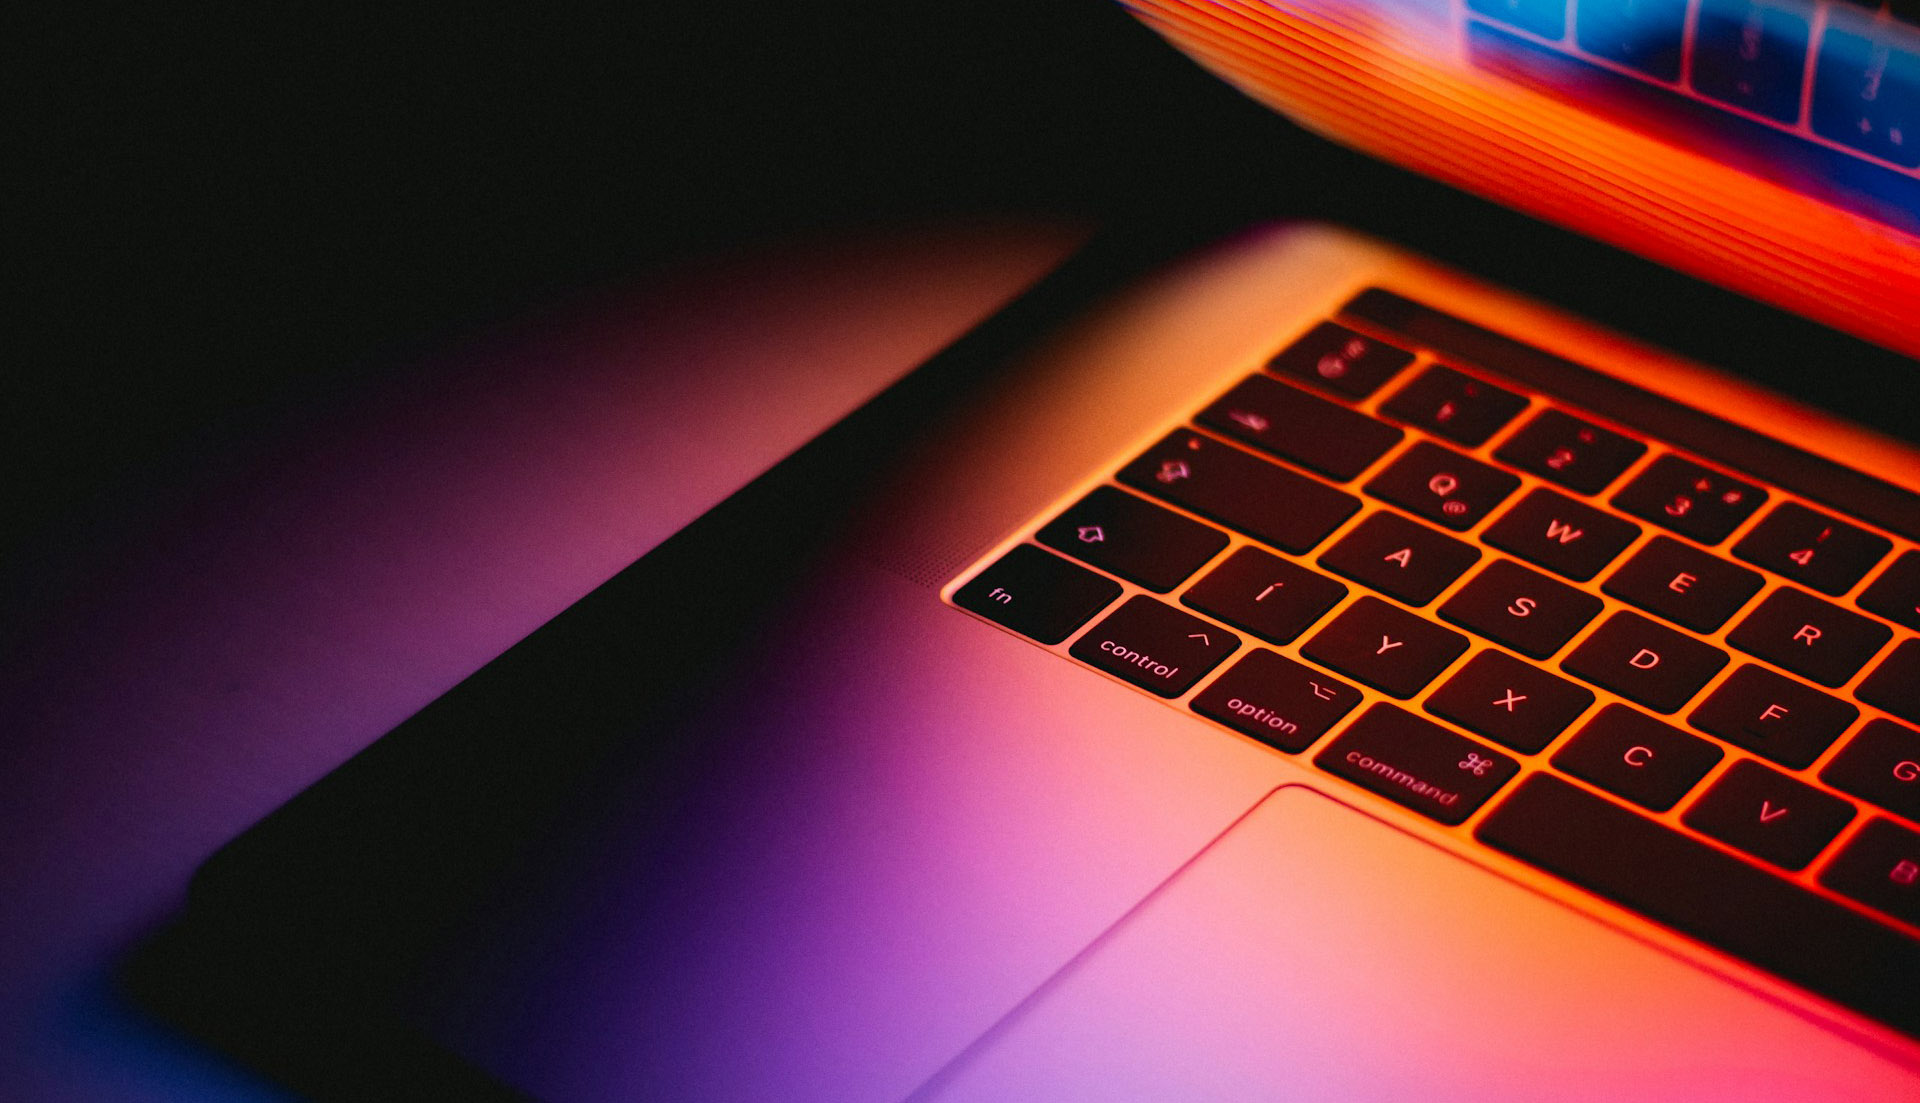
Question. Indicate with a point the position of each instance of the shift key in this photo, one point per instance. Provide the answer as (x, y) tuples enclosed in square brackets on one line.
[(1417, 763)]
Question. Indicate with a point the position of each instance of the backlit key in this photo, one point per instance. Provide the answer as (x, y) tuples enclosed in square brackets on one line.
[(1576, 454), (1155, 646), (1813, 638), (1443, 486), (1645, 662), (1133, 538), (1418, 763), (1769, 815), (1812, 548)]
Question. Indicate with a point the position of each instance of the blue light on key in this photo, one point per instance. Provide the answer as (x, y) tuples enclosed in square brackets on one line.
[(1546, 18), (1866, 94), (1640, 34), (1750, 55)]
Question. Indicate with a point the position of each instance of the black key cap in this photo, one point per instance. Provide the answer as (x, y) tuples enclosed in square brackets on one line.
[(1750, 56), (1711, 895), (1513, 702), (1340, 360), (1262, 499), (1418, 763), (1134, 539), (1577, 454), (1037, 594), (1385, 647), (1523, 609), (1442, 485), (1812, 548), (1276, 700), (1400, 558), (1769, 815), (1881, 764), (1894, 685), (1632, 755), (1264, 594), (1683, 584), (1640, 34), (1645, 662), (1867, 95), (1812, 638), (1880, 867), (1456, 406), (1895, 595), (1566, 537), (1543, 17), (1692, 500), (1155, 646), (1773, 715), (1301, 427)]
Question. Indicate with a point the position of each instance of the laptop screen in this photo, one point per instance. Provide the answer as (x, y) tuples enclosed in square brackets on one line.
[(1770, 148)]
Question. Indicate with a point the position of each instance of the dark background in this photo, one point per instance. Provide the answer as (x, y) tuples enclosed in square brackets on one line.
[(229, 215)]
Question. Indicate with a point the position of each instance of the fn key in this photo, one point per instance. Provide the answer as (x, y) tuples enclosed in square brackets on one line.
[(1037, 594)]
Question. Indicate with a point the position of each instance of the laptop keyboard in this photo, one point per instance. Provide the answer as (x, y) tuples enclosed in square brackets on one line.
[(1649, 652)]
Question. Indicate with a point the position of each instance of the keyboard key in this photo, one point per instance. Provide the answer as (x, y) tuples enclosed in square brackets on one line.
[(1459, 407), (1523, 609), (1640, 34), (1037, 594), (1510, 701), (1262, 499), (1812, 548), (1155, 646), (1692, 500), (1713, 896), (1645, 662), (1894, 685), (1796, 631), (1400, 558), (1301, 427), (1264, 594), (1683, 584), (1442, 485), (1750, 55), (1417, 763), (1769, 815), (1773, 715), (1566, 537), (1546, 18), (1895, 595), (1340, 360), (1632, 755), (1133, 538), (1276, 700), (1578, 455), (1866, 94), (1385, 647), (1880, 867), (1880, 764)]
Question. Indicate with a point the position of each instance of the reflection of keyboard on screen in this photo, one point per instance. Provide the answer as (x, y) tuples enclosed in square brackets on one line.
[(1663, 657), (1836, 74)]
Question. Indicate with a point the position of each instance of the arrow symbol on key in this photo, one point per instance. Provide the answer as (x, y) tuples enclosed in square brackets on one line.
[(1201, 636)]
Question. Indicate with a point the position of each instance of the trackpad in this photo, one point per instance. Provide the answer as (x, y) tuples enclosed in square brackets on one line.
[(1314, 952)]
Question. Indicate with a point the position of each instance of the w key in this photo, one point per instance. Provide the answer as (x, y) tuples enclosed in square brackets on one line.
[(1566, 537)]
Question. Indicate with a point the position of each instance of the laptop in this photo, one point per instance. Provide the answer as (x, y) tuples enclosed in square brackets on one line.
[(1283, 669)]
